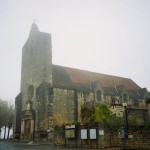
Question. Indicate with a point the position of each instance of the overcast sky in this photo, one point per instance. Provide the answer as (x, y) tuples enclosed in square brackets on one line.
[(105, 36)]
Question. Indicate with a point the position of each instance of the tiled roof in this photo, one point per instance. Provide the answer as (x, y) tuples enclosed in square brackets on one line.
[(70, 77)]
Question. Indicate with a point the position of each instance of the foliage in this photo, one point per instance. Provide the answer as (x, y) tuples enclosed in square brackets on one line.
[(114, 122), (147, 126), (132, 121), (76, 123), (96, 114), (87, 115), (102, 113), (3, 112), (6, 114)]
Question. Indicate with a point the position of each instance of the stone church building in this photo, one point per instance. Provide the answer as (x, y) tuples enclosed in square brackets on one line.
[(54, 95)]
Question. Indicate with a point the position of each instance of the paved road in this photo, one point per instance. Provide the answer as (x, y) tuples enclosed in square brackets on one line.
[(9, 145), (6, 145)]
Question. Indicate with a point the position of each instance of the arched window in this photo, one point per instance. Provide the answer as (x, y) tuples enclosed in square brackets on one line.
[(112, 100), (125, 97), (98, 95)]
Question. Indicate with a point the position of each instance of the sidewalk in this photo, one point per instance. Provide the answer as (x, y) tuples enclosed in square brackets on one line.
[(51, 144), (78, 148)]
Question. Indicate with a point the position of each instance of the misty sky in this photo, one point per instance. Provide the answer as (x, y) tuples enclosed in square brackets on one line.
[(105, 36)]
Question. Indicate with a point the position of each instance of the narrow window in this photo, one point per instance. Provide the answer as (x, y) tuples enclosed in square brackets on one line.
[(124, 98), (98, 93)]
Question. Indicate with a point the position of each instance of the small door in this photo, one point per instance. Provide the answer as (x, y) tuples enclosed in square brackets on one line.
[(28, 129)]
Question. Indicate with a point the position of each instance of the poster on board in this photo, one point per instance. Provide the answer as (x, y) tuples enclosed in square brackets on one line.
[(101, 132), (83, 134), (70, 133), (92, 133)]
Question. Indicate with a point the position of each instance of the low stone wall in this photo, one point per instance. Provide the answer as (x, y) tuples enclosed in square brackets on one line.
[(108, 140), (140, 144)]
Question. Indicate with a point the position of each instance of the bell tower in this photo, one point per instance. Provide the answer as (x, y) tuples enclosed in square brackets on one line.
[(36, 62), (36, 70)]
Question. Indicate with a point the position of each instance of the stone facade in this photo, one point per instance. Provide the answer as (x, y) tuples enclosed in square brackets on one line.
[(36, 70), (63, 106), (53, 95)]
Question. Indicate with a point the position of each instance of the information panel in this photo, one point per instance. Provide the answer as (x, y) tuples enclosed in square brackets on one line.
[(83, 134), (101, 132), (70, 133), (92, 133)]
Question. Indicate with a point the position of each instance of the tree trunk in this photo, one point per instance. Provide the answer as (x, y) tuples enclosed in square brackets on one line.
[(0, 133), (8, 133), (5, 133)]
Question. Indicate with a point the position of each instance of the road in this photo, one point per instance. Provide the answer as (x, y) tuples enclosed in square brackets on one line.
[(10, 145)]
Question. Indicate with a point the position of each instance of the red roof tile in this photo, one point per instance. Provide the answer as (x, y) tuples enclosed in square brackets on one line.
[(71, 77)]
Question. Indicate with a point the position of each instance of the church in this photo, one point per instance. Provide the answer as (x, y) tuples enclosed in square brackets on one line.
[(54, 95)]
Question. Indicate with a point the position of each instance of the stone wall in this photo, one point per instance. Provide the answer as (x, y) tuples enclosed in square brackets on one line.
[(63, 106), (44, 106), (108, 140), (18, 115), (83, 97)]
